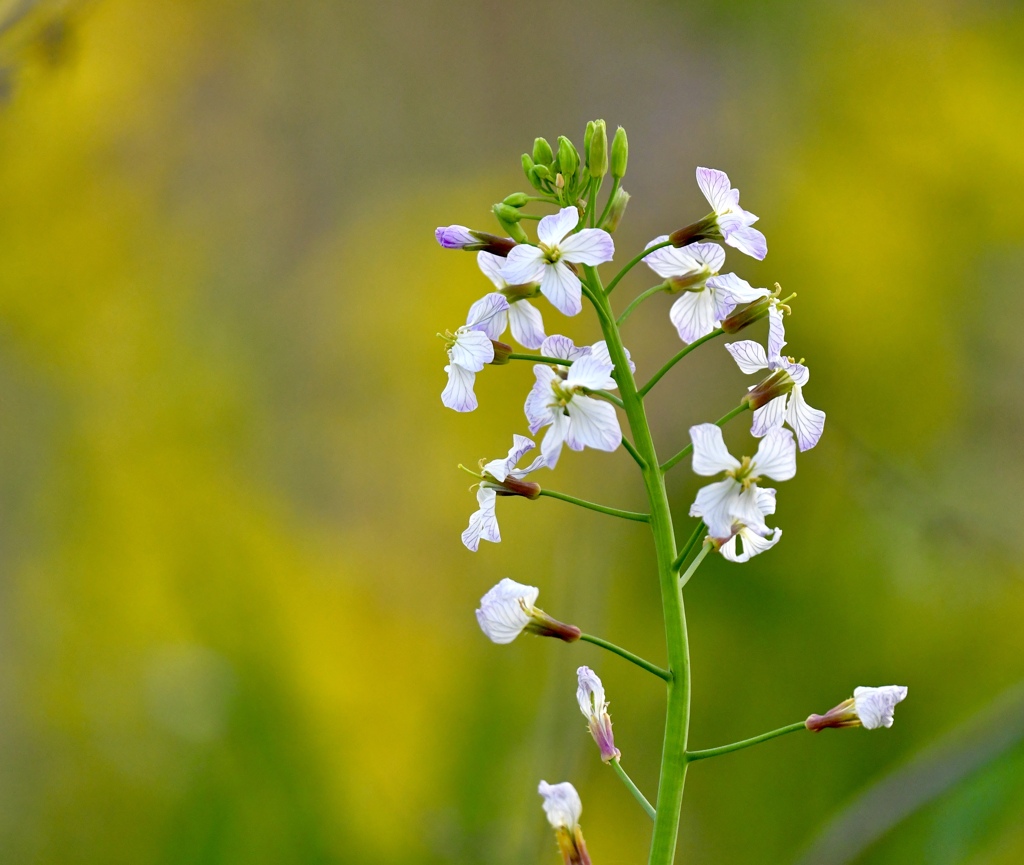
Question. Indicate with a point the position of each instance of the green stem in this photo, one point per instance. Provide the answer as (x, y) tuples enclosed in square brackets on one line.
[(690, 571), (693, 756), (628, 445), (678, 357), (630, 264), (603, 394), (601, 509), (592, 190), (690, 544), (629, 656), (608, 203), (640, 298), (640, 797), (539, 358), (686, 451), (672, 776)]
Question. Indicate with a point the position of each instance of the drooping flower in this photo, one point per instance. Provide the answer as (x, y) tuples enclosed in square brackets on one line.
[(559, 400), (548, 263), (779, 398), (727, 220), (500, 478), (707, 297), (469, 348), (509, 608), (523, 316), (736, 499), (460, 237), (594, 706), (563, 808), (745, 542), (869, 708)]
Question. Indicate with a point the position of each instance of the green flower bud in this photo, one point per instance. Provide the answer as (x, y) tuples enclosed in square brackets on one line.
[(568, 158), (619, 202), (620, 154), (516, 199), (597, 151), (587, 138), (506, 213), (512, 226), (528, 171), (542, 154)]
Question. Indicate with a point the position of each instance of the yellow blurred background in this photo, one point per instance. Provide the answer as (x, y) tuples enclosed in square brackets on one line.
[(236, 619)]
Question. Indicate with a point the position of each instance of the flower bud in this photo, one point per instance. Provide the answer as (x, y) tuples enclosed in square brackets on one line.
[(460, 237), (506, 212), (516, 199), (618, 207), (542, 154), (704, 229), (508, 609), (563, 808), (777, 384), (590, 696), (501, 352), (747, 315), (588, 136), (528, 167), (869, 708), (597, 152), (620, 154), (511, 225), (568, 158)]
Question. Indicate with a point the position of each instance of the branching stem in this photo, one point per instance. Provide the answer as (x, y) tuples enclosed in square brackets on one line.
[(640, 797), (601, 509), (629, 656), (676, 358), (636, 259), (640, 298), (693, 756), (539, 358)]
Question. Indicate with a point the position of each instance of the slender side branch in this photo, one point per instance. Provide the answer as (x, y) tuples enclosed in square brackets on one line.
[(630, 264), (690, 544), (640, 797), (629, 656), (608, 203), (690, 571), (686, 451), (539, 358), (601, 509), (693, 756), (603, 394), (628, 445), (678, 357), (640, 298)]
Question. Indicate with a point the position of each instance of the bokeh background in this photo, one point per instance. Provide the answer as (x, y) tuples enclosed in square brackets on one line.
[(235, 616)]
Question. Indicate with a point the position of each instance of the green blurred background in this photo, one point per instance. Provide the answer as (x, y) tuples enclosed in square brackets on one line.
[(236, 620)]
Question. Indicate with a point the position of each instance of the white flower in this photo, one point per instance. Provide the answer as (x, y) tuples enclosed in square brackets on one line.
[(558, 400), (469, 348), (562, 804), (525, 319), (875, 706), (500, 476), (736, 499), (594, 706), (706, 297), (508, 609), (788, 407), (752, 543), (733, 221), (547, 265)]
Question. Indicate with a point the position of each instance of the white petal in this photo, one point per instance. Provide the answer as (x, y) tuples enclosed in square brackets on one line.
[(808, 423), (590, 693), (776, 455), (738, 289), (753, 544), (776, 332), (710, 455), (492, 265), (483, 525), (714, 505), (503, 610), (749, 355), (744, 238), (710, 254), (552, 229), (501, 468), (527, 324), (539, 401), (716, 188), (745, 512), (524, 264), (459, 394), (560, 346), (797, 371), (594, 424), (562, 804), (693, 314), (665, 262), (875, 706), (472, 350), (554, 438), (562, 287), (489, 315), (591, 246), (593, 372), (600, 350), (769, 416), (766, 500), (538, 463)]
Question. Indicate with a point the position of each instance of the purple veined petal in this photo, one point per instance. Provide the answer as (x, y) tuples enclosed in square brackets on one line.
[(492, 265), (562, 347), (551, 229), (808, 423), (538, 406), (600, 350), (714, 505), (776, 455), (749, 355), (744, 510), (738, 289), (458, 394), (753, 545), (769, 416), (661, 261), (483, 524), (503, 611), (710, 254), (472, 350), (710, 455), (744, 238), (592, 372), (722, 303), (797, 371), (454, 236), (594, 424), (489, 315), (776, 332), (499, 469), (524, 264), (538, 463), (527, 324), (590, 246), (766, 500), (716, 188), (693, 315), (562, 287), (554, 438)]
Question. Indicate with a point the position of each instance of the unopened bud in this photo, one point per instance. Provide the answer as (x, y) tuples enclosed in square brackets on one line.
[(618, 207), (508, 610), (506, 212), (542, 154), (704, 229), (747, 315), (516, 199), (528, 170), (620, 154), (563, 809), (509, 219), (568, 158), (594, 706), (501, 352), (598, 150), (779, 383), (588, 136), (869, 708), (460, 237)]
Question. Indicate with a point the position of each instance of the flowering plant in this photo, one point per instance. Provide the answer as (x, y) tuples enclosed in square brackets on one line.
[(572, 397)]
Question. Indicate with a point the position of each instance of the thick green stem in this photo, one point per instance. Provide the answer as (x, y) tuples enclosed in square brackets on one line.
[(640, 298), (635, 260), (693, 756), (601, 509), (686, 451), (539, 358), (640, 797), (677, 722), (629, 656), (678, 357)]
